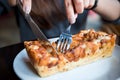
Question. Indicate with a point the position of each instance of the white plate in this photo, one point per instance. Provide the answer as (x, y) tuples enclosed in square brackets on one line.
[(106, 69)]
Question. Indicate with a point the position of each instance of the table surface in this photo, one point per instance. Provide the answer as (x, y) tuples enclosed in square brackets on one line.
[(8, 53)]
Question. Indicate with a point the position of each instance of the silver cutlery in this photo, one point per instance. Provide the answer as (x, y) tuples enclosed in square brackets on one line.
[(65, 40), (36, 30)]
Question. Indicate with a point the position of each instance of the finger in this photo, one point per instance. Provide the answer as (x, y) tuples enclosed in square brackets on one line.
[(86, 3), (27, 6), (78, 5), (21, 0), (76, 15), (70, 11), (91, 3)]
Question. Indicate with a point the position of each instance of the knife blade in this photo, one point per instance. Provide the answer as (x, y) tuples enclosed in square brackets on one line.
[(35, 28)]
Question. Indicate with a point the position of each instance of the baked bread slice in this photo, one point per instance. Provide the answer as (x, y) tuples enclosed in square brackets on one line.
[(87, 46)]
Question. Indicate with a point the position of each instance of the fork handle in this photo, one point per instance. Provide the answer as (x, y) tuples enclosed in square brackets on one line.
[(68, 29)]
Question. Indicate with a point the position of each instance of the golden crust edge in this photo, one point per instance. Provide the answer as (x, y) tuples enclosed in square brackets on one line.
[(44, 71)]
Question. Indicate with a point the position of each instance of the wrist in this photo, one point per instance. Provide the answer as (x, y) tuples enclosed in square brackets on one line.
[(95, 5)]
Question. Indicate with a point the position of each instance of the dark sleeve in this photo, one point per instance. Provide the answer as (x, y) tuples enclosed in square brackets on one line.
[(117, 21), (119, 0), (4, 7)]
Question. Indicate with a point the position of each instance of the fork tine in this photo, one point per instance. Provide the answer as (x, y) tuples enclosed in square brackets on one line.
[(59, 42), (62, 44), (68, 44), (65, 45), (64, 40)]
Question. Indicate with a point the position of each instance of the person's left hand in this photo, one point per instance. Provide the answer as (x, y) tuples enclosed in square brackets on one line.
[(75, 7)]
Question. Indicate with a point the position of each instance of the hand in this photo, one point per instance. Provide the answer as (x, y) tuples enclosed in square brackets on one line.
[(75, 7), (26, 4)]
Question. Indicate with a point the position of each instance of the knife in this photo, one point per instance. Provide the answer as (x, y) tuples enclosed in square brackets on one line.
[(36, 30)]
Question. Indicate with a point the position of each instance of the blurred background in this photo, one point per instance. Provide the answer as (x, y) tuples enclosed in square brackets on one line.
[(9, 31)]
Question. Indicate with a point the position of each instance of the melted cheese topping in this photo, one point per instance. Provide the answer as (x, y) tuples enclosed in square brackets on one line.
[(83, 46), (101, 38), (52, 59), (85, 42), (34, 47)]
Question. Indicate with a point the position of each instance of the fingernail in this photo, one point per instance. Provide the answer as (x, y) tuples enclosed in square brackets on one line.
[(76, 15), (72, 20), (27, 9)]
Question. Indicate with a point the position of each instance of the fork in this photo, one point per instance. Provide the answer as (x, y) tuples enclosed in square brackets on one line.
[(65, 40)]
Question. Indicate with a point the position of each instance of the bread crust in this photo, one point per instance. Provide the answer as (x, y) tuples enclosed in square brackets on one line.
[(87, 46)]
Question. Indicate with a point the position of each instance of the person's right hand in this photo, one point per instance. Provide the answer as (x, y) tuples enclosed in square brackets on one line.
[(26, 4)]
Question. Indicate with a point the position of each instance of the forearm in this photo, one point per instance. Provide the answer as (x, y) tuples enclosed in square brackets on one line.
[(108, 9)]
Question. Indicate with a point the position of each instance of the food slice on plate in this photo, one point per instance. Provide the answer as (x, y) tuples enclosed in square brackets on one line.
[(87, 46)]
